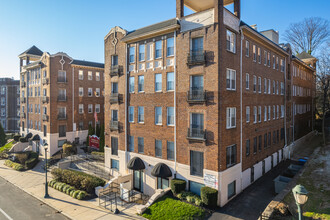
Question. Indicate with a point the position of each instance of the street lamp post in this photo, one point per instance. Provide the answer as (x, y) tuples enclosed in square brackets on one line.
[(300, 195), (46, 183)]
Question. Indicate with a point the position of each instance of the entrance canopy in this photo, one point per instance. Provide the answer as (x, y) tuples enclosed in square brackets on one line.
[(161, 170), (36, 137), (136, 164)]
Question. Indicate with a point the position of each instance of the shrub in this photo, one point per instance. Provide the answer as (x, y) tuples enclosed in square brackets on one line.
[(191, 199), (97, 153), (198, 202), (17, 137), (23, 139), (71, 193), (51, 183), (68, 149), (32, 161), (15, 166), (81, 195), (69, 190), (75, 194), (209, 196), (77, 179), (22, 157), (178, 185), (60, 188), (65, 187)]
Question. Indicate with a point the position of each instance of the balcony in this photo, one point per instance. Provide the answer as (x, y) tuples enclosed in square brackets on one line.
[(61, 98), (114, 125), (61, 116), (23, 100), (196, 57), (197, 134), (62, 80), (45, 81), (23, 84), (115, 70), (196, 96), (114, 98), (44, 99), (45, 117)]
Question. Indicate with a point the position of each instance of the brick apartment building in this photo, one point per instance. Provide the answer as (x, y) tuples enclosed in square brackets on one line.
[(203, 97), (9, 104), (59, 97)]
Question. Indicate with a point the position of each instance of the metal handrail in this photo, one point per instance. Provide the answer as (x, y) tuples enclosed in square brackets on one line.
[(196, 57)]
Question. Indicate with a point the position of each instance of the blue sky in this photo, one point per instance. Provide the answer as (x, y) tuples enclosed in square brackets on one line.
[(78, 27)]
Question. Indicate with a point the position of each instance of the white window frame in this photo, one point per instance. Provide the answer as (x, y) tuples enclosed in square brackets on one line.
[(90, 75), (231, 115), (161, 116), (231, 76), (247, 82), (131, 112), (231, 37), (81, 109), (247, 113), (90, 108)]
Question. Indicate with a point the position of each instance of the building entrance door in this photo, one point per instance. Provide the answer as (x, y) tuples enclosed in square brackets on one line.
[(137, 180)]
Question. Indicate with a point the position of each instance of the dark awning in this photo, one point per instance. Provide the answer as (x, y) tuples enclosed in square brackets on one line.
[(136, 164), (36, 137), (29, 135), (161, 170)]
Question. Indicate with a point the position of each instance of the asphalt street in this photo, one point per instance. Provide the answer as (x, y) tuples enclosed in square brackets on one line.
[(15, 204)]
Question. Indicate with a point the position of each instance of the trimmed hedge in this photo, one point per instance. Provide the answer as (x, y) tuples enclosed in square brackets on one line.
[(67, 189), (190, 197), (209, 196), (17, 137), (15, 166), (77, 179), (32, 161), (97, 153), (23, 139), (178, 185)]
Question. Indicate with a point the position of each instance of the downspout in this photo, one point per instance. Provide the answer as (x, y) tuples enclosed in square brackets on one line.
[(27, 102), (175, 104), (285, 118), (126, 159), (73, 101), (241, 107)]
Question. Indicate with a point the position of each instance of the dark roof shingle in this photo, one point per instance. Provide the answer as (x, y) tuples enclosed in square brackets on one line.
[(150, 28), (87, 63), (304, 55), (33, 51)]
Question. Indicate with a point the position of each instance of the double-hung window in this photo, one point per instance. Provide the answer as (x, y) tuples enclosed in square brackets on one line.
[(97, 76), (274, 87), (247, 148), (90, 92), (170, 81), (141, 145), (158, 148), (170, 46), (269, 113), (140, 114), (254, 84), (97, 108), (231, 41), (90, 108), (130, 114), (158, 115), (231, 155), (254, 114), (158, 49), (81, 75), (140, 83), (265, 60), (231, 79), (259, 55), (254, 50), (231, 118), (81, 108), (81, 91), (247, 114), (97, 92), (196, 163), (247, 82), (150, 50), (131, 143), (114, 145), (141, 52), (170, 115), (259, 114), (158, 82), (196, 128), (170, 150), (265, 113), (259, 84), (265, 86), (282, 88), (247, 48), (131, 54), (268, 59), (131, 84), (90, 75)]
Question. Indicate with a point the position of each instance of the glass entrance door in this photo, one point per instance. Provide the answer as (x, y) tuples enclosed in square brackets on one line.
[(137, 180)]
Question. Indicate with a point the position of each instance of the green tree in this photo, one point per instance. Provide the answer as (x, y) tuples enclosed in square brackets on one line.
[(90, 132), (2, 136), (102, 141), (98, 130)]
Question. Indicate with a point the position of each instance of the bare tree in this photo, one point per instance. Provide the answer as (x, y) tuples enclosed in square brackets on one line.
[(308, 34), (323, 85)]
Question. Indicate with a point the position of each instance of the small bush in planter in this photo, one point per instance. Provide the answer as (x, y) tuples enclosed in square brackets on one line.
[(209, 196), (198, 202), (178, 185), (69, 190), (191, 199), (15, 166), (71, 193), (75, 194), (51, 183), (22, 139), (81, 195), (17, 137)]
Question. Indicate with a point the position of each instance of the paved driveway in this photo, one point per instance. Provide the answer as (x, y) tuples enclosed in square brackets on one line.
[(253, 200)]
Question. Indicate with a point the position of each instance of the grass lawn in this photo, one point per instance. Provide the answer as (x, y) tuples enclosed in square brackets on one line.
[(6, 147), (169, 208)]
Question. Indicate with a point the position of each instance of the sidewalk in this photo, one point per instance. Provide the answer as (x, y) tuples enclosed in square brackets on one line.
[(32, 182)]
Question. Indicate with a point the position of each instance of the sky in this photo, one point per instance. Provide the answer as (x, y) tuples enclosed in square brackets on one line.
[(78, 27)]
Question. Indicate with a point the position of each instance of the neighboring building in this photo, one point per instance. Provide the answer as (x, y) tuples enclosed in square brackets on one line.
[(201, 97), (9, 104), (59, 96)]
